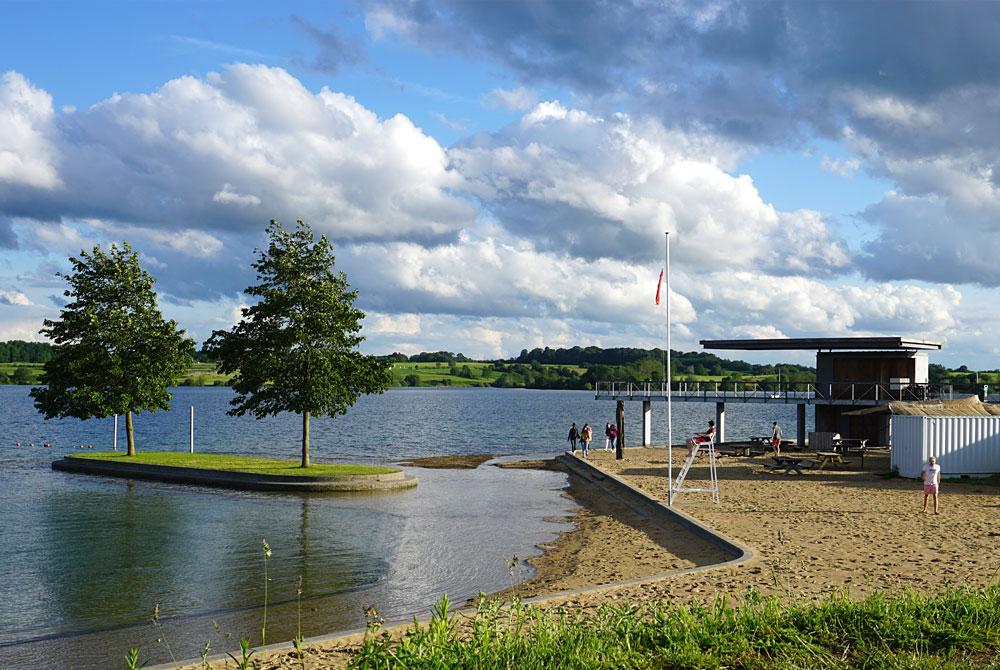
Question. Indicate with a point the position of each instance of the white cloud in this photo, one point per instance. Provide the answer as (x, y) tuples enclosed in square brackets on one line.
[(844, 167), (15, 298), (518, 99), (228, 196), (598, 187), (157, 160), (27, 154), (889, 109)]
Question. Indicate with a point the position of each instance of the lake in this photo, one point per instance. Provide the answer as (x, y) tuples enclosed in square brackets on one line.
[(86, 558)]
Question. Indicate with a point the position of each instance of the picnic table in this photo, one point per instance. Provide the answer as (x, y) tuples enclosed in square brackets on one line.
[(787, 464), (850, 445), (824, 458)]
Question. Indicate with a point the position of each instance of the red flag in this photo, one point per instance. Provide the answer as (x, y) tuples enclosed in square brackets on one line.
[(659, 283)]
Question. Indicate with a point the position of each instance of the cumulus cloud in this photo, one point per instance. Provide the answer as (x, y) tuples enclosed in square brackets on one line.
[(27, 154), (211, 153), (596, 187)]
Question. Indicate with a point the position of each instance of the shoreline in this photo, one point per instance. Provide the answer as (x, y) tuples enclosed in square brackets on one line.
[(824, 534)]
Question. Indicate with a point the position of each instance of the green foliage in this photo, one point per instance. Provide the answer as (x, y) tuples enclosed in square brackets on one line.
[(956, 629), (259, 466), (22, 375), (114, 352), (243, 661), (19, 351), (296, 349)]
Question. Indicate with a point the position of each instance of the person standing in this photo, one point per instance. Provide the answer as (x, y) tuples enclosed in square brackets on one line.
[(931, 474), (776, 438), (585, 437), (613, 437), (574, 434), (607, 436)]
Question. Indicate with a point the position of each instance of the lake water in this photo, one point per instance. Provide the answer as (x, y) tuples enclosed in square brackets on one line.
[(86, 558)]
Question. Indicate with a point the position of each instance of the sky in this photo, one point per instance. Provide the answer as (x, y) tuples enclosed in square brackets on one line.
[(496, 176)]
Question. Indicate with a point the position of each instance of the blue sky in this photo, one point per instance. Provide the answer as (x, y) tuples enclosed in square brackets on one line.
[(498, 176)]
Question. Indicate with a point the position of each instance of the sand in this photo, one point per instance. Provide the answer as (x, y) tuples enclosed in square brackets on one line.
[(820, 533)]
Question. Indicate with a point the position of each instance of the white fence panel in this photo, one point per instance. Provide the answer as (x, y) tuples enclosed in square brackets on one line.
[(963, 445)]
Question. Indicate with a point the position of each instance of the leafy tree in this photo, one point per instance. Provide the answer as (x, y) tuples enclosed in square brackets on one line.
[(114, 352), (22, 375), (411, 380), (296, 349)]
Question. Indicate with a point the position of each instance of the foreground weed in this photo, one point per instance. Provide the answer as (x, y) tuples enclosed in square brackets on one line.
[(297, 642), (267, 554), (162, 639), (132, 660), (205, 665), (243, 662)]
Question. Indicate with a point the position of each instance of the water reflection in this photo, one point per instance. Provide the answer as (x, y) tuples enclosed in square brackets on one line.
[(86, 558)]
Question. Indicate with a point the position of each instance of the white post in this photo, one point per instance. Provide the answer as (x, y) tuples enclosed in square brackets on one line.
[(670, 409), (115, 438), (191, 443)]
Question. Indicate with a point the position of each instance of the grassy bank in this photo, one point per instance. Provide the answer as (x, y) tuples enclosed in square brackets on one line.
[(257, 466), (959, 628)]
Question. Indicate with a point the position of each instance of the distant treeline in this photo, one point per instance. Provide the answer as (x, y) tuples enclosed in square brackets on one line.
[(689, 362), (19, 351), (427, 357)]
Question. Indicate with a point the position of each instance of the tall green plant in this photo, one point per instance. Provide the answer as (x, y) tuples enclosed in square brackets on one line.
[(114, 351), (296, 349)]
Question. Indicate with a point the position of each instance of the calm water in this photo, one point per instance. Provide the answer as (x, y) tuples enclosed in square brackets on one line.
[(85, 558)]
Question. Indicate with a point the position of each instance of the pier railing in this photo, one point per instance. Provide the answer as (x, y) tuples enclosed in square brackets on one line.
[(835, 393)]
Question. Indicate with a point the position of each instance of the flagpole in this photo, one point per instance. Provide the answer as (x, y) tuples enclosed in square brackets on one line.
[(670, 413)]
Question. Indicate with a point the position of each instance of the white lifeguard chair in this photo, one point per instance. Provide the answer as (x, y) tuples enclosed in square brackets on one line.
[(713, 485)]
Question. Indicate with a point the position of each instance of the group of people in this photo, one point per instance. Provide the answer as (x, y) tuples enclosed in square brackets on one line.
[(586, 436)]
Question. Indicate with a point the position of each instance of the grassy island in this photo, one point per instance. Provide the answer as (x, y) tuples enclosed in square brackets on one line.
[(226, 463), (238, 472)]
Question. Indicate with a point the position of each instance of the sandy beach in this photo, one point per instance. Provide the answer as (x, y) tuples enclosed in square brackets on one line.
[(815, 534)]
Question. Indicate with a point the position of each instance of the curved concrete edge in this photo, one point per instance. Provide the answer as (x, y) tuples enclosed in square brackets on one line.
[(636, 499), (238, 480)]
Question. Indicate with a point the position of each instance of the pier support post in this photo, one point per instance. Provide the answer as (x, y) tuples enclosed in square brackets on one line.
[(800, 424), (720, 422), (647, 422), (620, 420)]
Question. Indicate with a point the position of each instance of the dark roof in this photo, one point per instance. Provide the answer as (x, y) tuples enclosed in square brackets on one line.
[(821, 343)]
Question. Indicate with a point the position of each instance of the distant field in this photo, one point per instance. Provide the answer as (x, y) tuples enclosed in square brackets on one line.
[(440, 374), (200, 374)]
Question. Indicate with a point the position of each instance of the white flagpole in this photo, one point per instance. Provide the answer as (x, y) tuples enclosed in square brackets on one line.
[(670, 413)]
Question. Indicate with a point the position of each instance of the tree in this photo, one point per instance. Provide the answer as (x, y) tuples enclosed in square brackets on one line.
[(114, 352), (295, 350), (22, 375)]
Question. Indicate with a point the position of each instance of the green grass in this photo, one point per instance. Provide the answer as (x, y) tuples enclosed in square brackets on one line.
[(259, 466), (433, 374), (959, 628)]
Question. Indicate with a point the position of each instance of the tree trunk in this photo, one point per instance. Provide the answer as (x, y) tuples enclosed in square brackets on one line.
[(305, 439), (130, 433)]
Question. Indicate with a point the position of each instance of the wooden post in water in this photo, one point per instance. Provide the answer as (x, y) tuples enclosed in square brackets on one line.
[(620, 442), (191, 440)]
